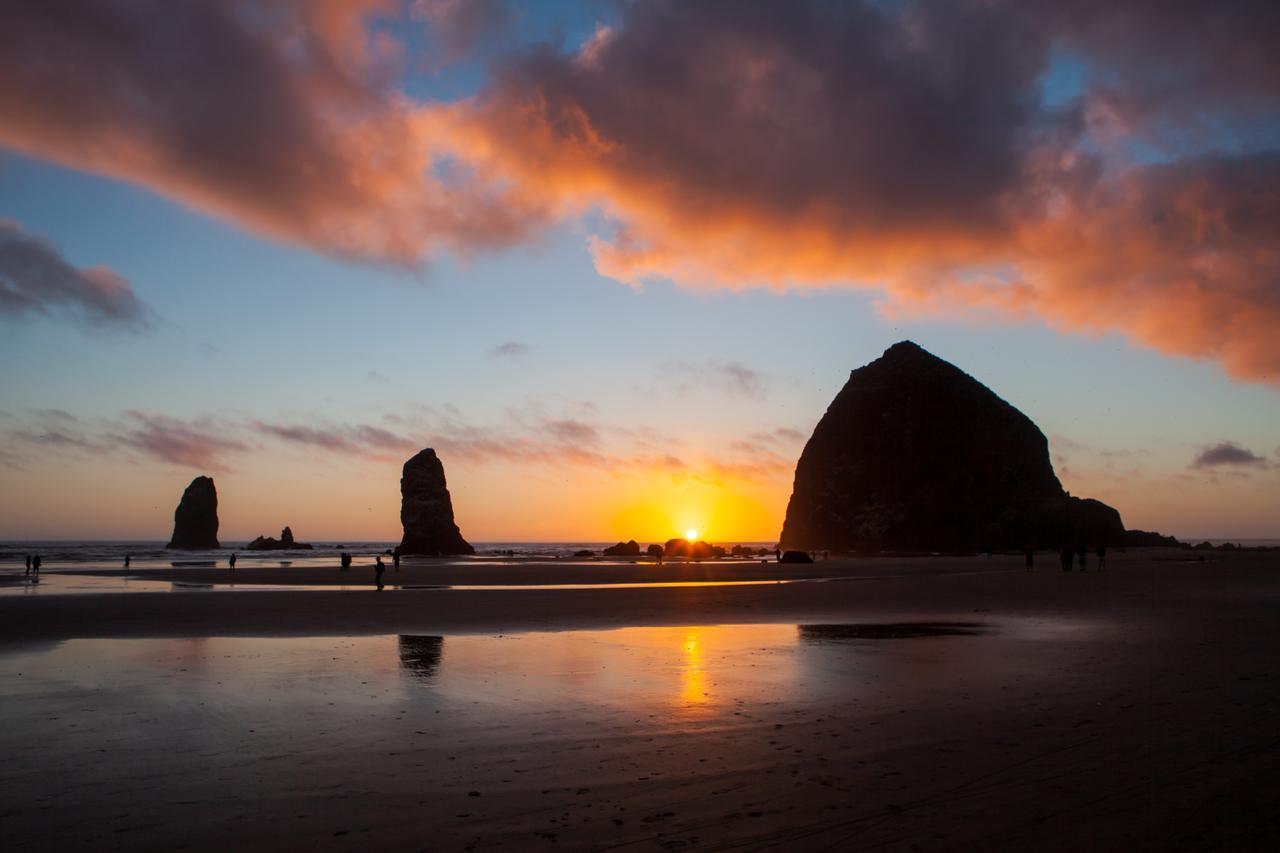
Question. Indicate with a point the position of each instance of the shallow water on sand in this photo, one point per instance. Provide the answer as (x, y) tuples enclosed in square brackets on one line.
[(277, 742), (54, 583)]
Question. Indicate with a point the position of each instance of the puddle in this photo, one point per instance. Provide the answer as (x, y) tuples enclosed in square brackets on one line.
[(890, 631)]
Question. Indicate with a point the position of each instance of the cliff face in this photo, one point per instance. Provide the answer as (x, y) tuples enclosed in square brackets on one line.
[(195, 521), (426, 510), (915, 454)]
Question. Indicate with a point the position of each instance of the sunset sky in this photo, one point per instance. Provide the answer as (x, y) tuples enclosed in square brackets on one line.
[(612, 260)]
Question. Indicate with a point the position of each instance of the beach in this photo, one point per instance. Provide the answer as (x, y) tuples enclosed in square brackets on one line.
[(926, 703)]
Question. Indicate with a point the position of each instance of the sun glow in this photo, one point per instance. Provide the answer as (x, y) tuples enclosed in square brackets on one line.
[(691, 534)]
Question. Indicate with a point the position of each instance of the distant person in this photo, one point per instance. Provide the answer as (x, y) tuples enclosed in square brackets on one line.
[(1084, 558), (1029, 557), (378, 570), (231, 561), (127, 558), (1067, 556), (345, 559), (777, 554), (35, 565), (1102, 557), (395, 559), (28, 571)]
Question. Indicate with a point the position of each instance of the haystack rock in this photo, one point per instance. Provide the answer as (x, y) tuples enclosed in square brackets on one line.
[(195, 521), (426, 510), (916, 455)]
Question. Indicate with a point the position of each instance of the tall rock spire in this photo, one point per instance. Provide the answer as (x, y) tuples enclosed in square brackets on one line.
[(426, 510)]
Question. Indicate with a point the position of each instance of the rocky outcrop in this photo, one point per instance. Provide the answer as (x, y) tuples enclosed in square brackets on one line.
[(914, 454), (284, 543), (693, 550), (195, 521), (426, 510), (1148, 539), (623, 549)]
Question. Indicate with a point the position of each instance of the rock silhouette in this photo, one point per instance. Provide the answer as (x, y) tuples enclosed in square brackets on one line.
[(426, 510), (698, 550), (630, 548), (195, 521), (284, 543), (914, 454)]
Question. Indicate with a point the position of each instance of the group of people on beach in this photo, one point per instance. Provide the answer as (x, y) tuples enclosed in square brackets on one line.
[(33, 565), (1068, 555), (379, 567)]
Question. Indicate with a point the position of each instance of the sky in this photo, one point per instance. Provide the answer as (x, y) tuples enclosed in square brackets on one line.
[(613, 260)]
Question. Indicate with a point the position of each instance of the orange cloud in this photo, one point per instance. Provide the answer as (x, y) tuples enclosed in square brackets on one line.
[(280, 118), (907, 148)]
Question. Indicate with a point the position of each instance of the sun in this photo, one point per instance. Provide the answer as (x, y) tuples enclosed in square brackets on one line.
[(691, 535)]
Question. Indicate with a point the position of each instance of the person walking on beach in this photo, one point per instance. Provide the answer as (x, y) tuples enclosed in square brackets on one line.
[(345, 559), (378, 570), (395, 559), (231, 561), (1067, 557), (35, 565), (777, 554), (1084, 558), (1102, 558), (28, 571), (127, 559)]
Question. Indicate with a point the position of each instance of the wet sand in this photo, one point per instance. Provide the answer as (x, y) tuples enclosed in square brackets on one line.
[(931, 704)]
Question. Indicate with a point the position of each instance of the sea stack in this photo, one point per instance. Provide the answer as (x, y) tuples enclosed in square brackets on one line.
[(195, 521), (916, 455), (426, 511)]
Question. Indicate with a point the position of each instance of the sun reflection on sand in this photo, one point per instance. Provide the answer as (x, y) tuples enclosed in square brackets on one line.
[(693, 682)]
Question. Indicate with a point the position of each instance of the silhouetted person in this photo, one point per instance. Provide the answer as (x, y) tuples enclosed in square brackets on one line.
[(35, 565), (395, 559), (231, 561), (777, 554), (1030, 555), (1084, 558), (378, 570), (127, 558), (1068, 557), (1102, 557), (28, 571), (345, 559)]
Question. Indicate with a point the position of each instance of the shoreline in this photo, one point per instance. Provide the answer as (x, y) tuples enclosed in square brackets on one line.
[(875, 591)]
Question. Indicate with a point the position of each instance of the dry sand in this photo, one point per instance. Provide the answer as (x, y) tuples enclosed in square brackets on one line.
[(1129, 709)]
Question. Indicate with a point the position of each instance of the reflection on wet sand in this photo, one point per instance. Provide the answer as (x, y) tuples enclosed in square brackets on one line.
[(599, 738), (694, 675), (420, 656), (889, 631)]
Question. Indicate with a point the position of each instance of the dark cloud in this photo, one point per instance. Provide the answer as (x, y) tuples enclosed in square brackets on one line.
[(1228, 454), (362, 439), (572, 431), (730, 377), (457, 27), (511, 350), (191, 444), (907, 147), (36, 279)]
